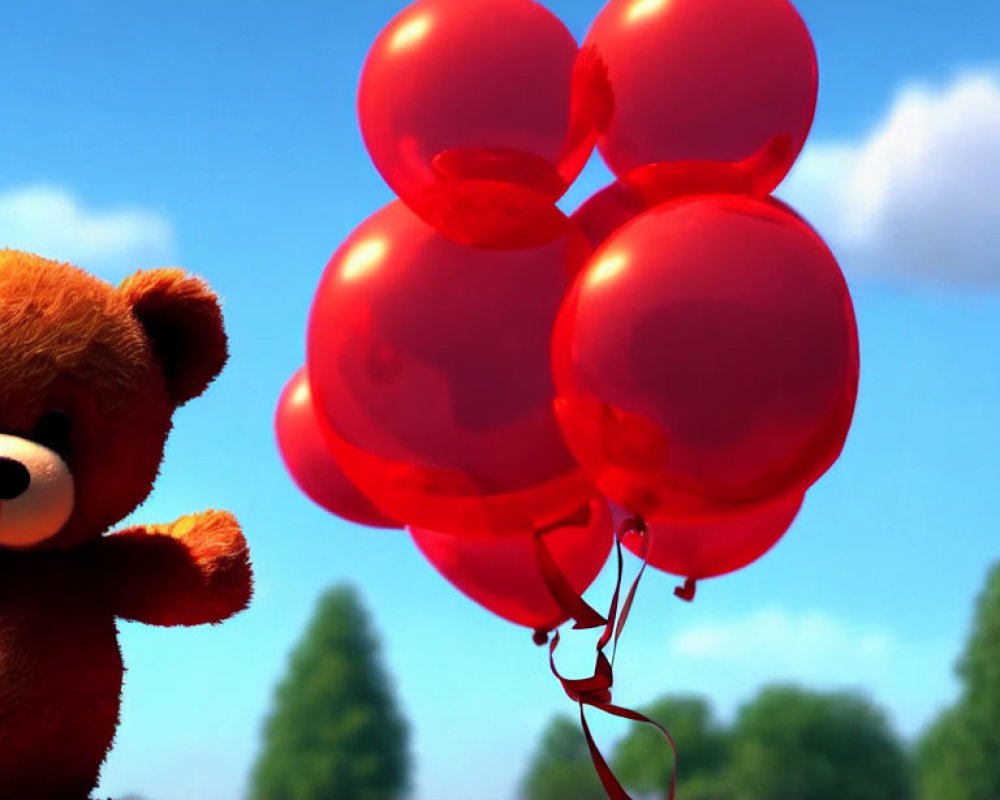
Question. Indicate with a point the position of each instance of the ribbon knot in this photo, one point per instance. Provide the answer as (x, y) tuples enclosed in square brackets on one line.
[(594, 690)]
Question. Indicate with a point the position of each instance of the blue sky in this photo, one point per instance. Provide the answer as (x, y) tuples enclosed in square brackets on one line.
[(221, 137)]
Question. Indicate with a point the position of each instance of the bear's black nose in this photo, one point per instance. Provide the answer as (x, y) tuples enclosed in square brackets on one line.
[(14, 478)]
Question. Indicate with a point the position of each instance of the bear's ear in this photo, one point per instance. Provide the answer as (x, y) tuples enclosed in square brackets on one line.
[(182, 318)]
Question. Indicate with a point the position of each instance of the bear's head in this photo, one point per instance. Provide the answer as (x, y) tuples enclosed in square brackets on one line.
[(90, 376)]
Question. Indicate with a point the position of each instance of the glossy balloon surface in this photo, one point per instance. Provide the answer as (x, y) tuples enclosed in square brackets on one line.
[(703, 95), (467, 111), (504, 577), (707, 359), (311, 464), (608, 209), (429, 362), (617, 204), (710, 547)]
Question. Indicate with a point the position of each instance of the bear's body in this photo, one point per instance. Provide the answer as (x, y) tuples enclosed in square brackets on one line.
[(60, 676), (90, 376)]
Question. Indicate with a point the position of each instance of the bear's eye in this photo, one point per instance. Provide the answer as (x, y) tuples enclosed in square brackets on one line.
[(52, 431)]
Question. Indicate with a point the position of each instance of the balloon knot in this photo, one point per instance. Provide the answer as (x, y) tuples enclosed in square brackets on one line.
[(634, 525), (540, 637), (686, 592)]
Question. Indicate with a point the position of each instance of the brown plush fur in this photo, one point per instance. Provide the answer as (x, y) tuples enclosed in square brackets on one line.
[(118, 362)]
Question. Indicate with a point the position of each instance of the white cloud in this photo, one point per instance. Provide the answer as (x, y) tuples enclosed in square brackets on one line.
[(51, 222), (920, 196), (803, 642), (729, 659)]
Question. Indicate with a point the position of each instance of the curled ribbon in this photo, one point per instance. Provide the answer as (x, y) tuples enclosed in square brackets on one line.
[(595, 690)]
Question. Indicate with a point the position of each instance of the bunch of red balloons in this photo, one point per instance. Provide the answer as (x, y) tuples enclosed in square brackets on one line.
[(485, 370)]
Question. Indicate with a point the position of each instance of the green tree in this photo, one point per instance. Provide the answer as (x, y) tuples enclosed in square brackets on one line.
[(943, 758), (334, 732), (561, 768), (643, 761), (958, 758), (795, 744)]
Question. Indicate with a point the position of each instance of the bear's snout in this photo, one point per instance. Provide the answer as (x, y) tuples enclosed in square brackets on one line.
[(36, 492), (14, 478)]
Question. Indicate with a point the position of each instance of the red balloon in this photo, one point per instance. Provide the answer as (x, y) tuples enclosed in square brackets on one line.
[(467, 111), (617, 204), (715, 546), (605, 211), (429, 362), (310, 463), (504, 577), (707, 359), (702, 95)]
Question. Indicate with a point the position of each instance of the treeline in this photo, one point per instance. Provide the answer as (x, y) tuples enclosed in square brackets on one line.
[(335, 732), (792, 743), (788, 743)]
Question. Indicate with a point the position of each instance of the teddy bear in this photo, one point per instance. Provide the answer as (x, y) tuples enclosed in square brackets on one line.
[(90, 375)]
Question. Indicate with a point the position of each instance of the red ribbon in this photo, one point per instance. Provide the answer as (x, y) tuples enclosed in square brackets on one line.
[(595, 690), (572, 605)]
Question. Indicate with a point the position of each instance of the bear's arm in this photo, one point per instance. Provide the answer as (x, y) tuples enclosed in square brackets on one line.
[(189, 572)]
